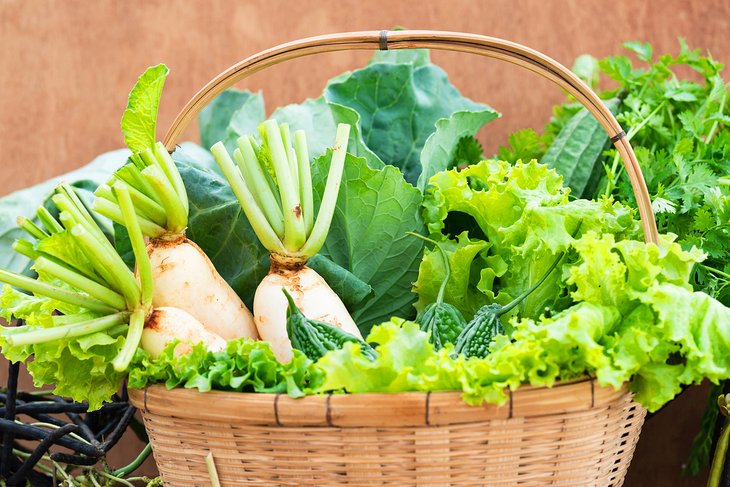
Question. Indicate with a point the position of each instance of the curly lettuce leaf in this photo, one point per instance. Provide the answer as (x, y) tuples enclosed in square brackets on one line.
[(244, 366), (406, 361), (79, 368), (526, 220)]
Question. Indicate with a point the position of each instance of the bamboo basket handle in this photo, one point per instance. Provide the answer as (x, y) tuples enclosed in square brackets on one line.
[(431, 39)]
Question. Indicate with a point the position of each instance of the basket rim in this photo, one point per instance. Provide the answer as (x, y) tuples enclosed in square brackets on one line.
[(397, 409)]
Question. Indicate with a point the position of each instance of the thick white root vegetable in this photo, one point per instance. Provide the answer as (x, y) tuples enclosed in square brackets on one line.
[(165, 324), (312, 296), (185, 278)]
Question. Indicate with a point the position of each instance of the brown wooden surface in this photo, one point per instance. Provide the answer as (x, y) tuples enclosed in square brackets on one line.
[(66, 68)]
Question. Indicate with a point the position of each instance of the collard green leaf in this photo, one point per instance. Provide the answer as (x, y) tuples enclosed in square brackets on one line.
[(352, 290), (440, 147), (230, 115), (375, 209), (417, 57), (399, 105), (577, 152), (139, 121)]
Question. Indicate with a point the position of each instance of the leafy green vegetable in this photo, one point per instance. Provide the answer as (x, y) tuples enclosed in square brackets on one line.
[(441, 147), (652, 332), (399, 105), (406, 361), (243, 366), (228, 116), (577, 152), (375, 209), (139, 121), (521, 219), (524, 145)]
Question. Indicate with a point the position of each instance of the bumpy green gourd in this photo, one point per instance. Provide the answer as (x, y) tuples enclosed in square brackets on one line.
[(316, 338), (478, 334), (443, 320)]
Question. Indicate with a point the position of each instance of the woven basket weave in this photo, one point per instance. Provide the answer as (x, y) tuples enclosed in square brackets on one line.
[(574, 434)]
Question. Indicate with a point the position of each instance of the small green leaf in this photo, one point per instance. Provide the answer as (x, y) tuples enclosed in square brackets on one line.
[(441, 146), (643, 50), (577, 152), (139, 121)]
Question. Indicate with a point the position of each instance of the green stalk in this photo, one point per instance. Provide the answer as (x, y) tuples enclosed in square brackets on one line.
[(136, 463), (43, 335), (290, 154), (144, 268), (518, 299), (48, 221), (66, 205), (168, 165), (54, 292), (132, 175), (177, 215), (103, 256), (144, 206), (331, 190), (83, 283), (256, 217), (718, 461), (255, 178), (305, 179), (294, 229), (112, 211), (60, 320), (85, 217), (134, 335), (31, 228), (24, 247)]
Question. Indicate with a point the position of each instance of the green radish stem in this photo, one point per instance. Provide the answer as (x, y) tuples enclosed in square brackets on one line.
[(168, 165), (294, 229), (54, 292), (266, 234), (48, 221), (83, 283), (254, 176), (145, 206), (132, 175), (295, 190), (305, 179), (177, 215), (111, 210), (144, 268), (104, 258), (31, 228), (61, 320), (447, 267), (331, 190), (26, 248), (42, 335), (134, 335)]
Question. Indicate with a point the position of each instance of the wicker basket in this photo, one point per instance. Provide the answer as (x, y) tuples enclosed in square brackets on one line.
[(575, 433)]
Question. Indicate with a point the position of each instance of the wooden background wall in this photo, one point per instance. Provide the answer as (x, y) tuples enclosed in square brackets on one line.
[(66, 68)]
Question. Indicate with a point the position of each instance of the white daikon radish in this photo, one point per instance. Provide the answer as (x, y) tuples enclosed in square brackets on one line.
[(183, 276), (165, 324), (287, 226), (96, 284)]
